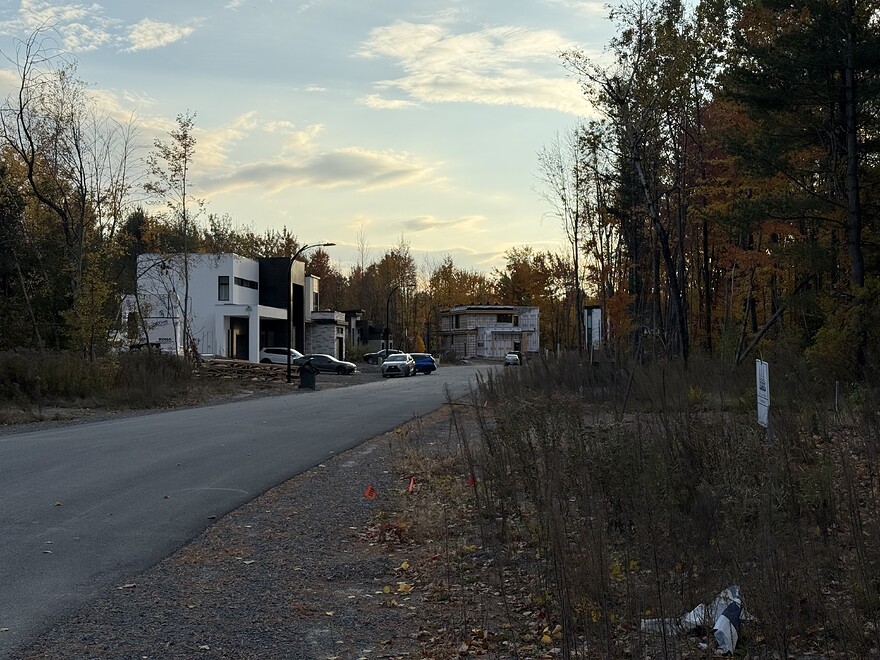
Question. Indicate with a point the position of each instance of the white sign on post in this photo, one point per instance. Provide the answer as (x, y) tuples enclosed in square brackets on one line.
[(762, 374)]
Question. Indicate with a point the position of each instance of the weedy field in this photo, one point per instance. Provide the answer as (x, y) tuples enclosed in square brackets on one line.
[(584, 510)]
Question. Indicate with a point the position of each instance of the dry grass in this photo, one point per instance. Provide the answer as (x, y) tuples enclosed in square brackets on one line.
[(599, 499)]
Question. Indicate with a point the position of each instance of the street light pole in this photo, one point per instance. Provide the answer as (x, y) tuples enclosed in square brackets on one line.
[(290, 299), (388, 315)]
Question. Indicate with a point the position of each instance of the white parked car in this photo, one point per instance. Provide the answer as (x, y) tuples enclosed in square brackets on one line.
[(512, 359), (278, 355)]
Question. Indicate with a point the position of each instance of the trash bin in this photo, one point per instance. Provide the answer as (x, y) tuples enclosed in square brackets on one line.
[(307, 375)]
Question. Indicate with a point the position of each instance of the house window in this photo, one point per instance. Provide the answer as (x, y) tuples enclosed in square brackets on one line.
[(314, 301), (515, 321), (457, 318), (504, 318), (247, 284), (223, 287)]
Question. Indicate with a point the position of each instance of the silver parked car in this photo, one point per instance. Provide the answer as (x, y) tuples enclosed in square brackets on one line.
[(399, 364)]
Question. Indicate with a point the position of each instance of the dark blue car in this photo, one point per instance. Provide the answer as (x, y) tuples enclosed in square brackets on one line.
[(425, 363)]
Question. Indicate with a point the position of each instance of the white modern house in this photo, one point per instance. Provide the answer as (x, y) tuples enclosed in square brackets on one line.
[(236, 305), (489, 330)]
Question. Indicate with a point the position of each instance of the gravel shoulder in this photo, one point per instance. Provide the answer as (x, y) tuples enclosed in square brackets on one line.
[(295, 573)]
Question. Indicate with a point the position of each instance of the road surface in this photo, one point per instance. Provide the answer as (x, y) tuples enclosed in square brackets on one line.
[(84, 507)]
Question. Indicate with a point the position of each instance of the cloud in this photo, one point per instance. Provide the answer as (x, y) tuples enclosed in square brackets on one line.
[(148, 34), (352, 167), (593, 8), (495, 66), (214, 145), (306, 6), (81, 27), (79, 37), (376, 101), (429, 223)]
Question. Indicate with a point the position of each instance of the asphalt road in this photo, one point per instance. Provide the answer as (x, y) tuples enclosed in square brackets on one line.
[(83, 507)]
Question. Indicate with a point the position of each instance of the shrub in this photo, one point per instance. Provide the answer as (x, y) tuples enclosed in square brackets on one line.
[(32, 376), (138, 379), (146, 379)]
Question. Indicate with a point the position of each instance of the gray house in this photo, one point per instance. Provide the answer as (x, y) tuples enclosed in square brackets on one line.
[(489, 331)]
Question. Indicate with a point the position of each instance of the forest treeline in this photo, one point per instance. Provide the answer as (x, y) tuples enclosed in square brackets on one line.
[(722, 196)]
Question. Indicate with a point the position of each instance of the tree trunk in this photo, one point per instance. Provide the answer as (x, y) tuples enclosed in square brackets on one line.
[(662, 238), (854, 216)]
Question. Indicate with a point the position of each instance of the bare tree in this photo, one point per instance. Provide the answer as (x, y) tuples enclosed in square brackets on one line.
[(76, 161), (169, 166), (565, 176)]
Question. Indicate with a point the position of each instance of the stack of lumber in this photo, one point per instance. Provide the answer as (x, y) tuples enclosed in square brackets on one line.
[(243, 370)]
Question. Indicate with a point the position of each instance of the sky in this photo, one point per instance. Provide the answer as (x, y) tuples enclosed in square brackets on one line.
[(369, 122)]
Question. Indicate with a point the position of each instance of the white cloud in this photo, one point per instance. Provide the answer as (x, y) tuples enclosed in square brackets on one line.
[(214, 146), (34, 13), (84, 27), (496, 66), (148, 34), (594, 8), (306, 6), (377, 101), (79, 37), (81, 27)]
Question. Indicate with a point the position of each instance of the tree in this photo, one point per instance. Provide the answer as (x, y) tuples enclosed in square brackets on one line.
[(75, 159), (565, 176), (542, 279), (650, 98), (808, 75), (448, 285), (806, 78), (19, 263), (333, 283), (169, 166)]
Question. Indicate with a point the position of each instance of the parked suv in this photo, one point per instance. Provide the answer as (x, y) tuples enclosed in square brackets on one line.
[(425, 363), (399, 364), (277, 355)]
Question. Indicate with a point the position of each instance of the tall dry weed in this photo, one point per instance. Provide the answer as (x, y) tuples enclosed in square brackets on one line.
[(642, 500)]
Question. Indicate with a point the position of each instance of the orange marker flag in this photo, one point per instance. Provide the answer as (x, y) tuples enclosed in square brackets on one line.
[(370, 492), (412, 483)]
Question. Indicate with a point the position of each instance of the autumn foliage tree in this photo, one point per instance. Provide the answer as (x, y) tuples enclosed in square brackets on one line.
[(735, 171)]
